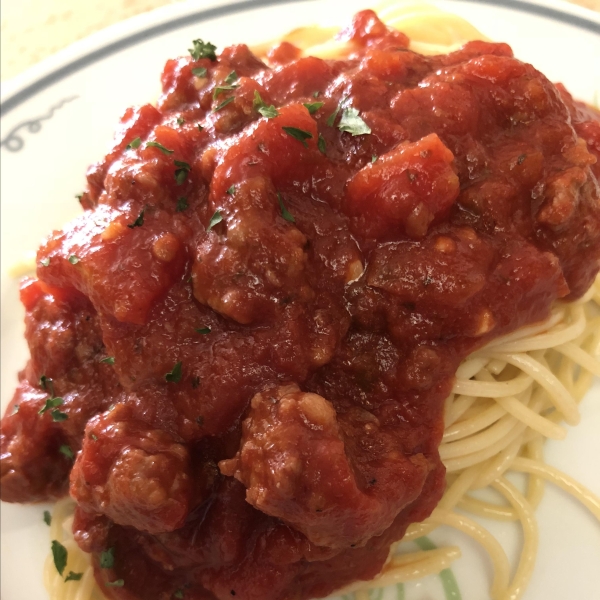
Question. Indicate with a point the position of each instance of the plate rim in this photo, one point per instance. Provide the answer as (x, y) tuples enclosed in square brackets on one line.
[(119, 36)]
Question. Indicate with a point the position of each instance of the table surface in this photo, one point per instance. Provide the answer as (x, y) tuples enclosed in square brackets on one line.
[(34, 29)]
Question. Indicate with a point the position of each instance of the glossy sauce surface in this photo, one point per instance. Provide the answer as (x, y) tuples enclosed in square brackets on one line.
[(254, 324)]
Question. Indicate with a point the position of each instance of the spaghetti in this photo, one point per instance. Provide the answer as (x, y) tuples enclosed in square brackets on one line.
[(508, 398)]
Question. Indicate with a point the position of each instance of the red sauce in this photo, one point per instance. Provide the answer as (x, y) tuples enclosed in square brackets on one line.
[(286, 308)]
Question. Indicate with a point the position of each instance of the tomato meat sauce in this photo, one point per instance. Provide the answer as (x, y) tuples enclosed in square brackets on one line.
[(240, 351)]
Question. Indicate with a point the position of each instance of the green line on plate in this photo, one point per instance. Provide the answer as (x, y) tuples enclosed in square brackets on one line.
[(399, 591), (451, 589), (378, 594)]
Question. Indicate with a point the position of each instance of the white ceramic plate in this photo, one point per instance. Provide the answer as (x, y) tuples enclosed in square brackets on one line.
[(58, 118)]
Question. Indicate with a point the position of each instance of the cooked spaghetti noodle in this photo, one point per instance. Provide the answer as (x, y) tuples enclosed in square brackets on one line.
[(507, 399)]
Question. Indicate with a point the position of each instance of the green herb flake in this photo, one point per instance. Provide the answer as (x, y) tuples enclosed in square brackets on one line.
[(73, 259), (182, 171), (521, 159), (175, 375), (200, 128), (223, 104), (321, 144), (79, 196), (182, 204), (178, 594), (284, 211), (203, 49), (180, 121), (73, 576), (232, 77), (160, 147), (313, 107), (47, 518), (352, 123), (135, 143), (94, 437), (108, 360), (46, 383), (374, 158), (117, 583), (58, 416), (316, 94), (204, 330), (223, 88), (269, 112), (66, 451), (107, 558), (50, 403), (16, 408), (199, 72), (45, 262), (216, 218), (231, 191), (298, 134), (59, 554), (139, 221)]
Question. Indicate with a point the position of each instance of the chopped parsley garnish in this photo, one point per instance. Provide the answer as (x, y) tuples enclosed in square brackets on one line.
[(73, 259), (47, 517), (139, 221), (50, 404), (223, 104), (180, 121), (182, 204), (316, 94), (285, 213), (160, 147), (231, 191), (45, 262), (216, 218), (298, 134), (175, 375), (58, 416), (178, 594), (374, 158), (352, 123), (107, 558), (79, 196), (233, 76), (73, 576), (59, 554), (200, 128), (313, 107), (224, 88), (203, 49), (108, 360), (135, 143), (117, 583), (204, 330), (182, 171), (46, 384), (321, 144), (94, 437), (269, 112), (199, 71), (66, 451)]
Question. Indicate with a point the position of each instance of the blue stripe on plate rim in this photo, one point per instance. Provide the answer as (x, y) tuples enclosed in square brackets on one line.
[(81, 62)]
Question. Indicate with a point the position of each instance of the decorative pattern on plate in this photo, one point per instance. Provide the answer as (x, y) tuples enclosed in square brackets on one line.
[(13, 142)]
